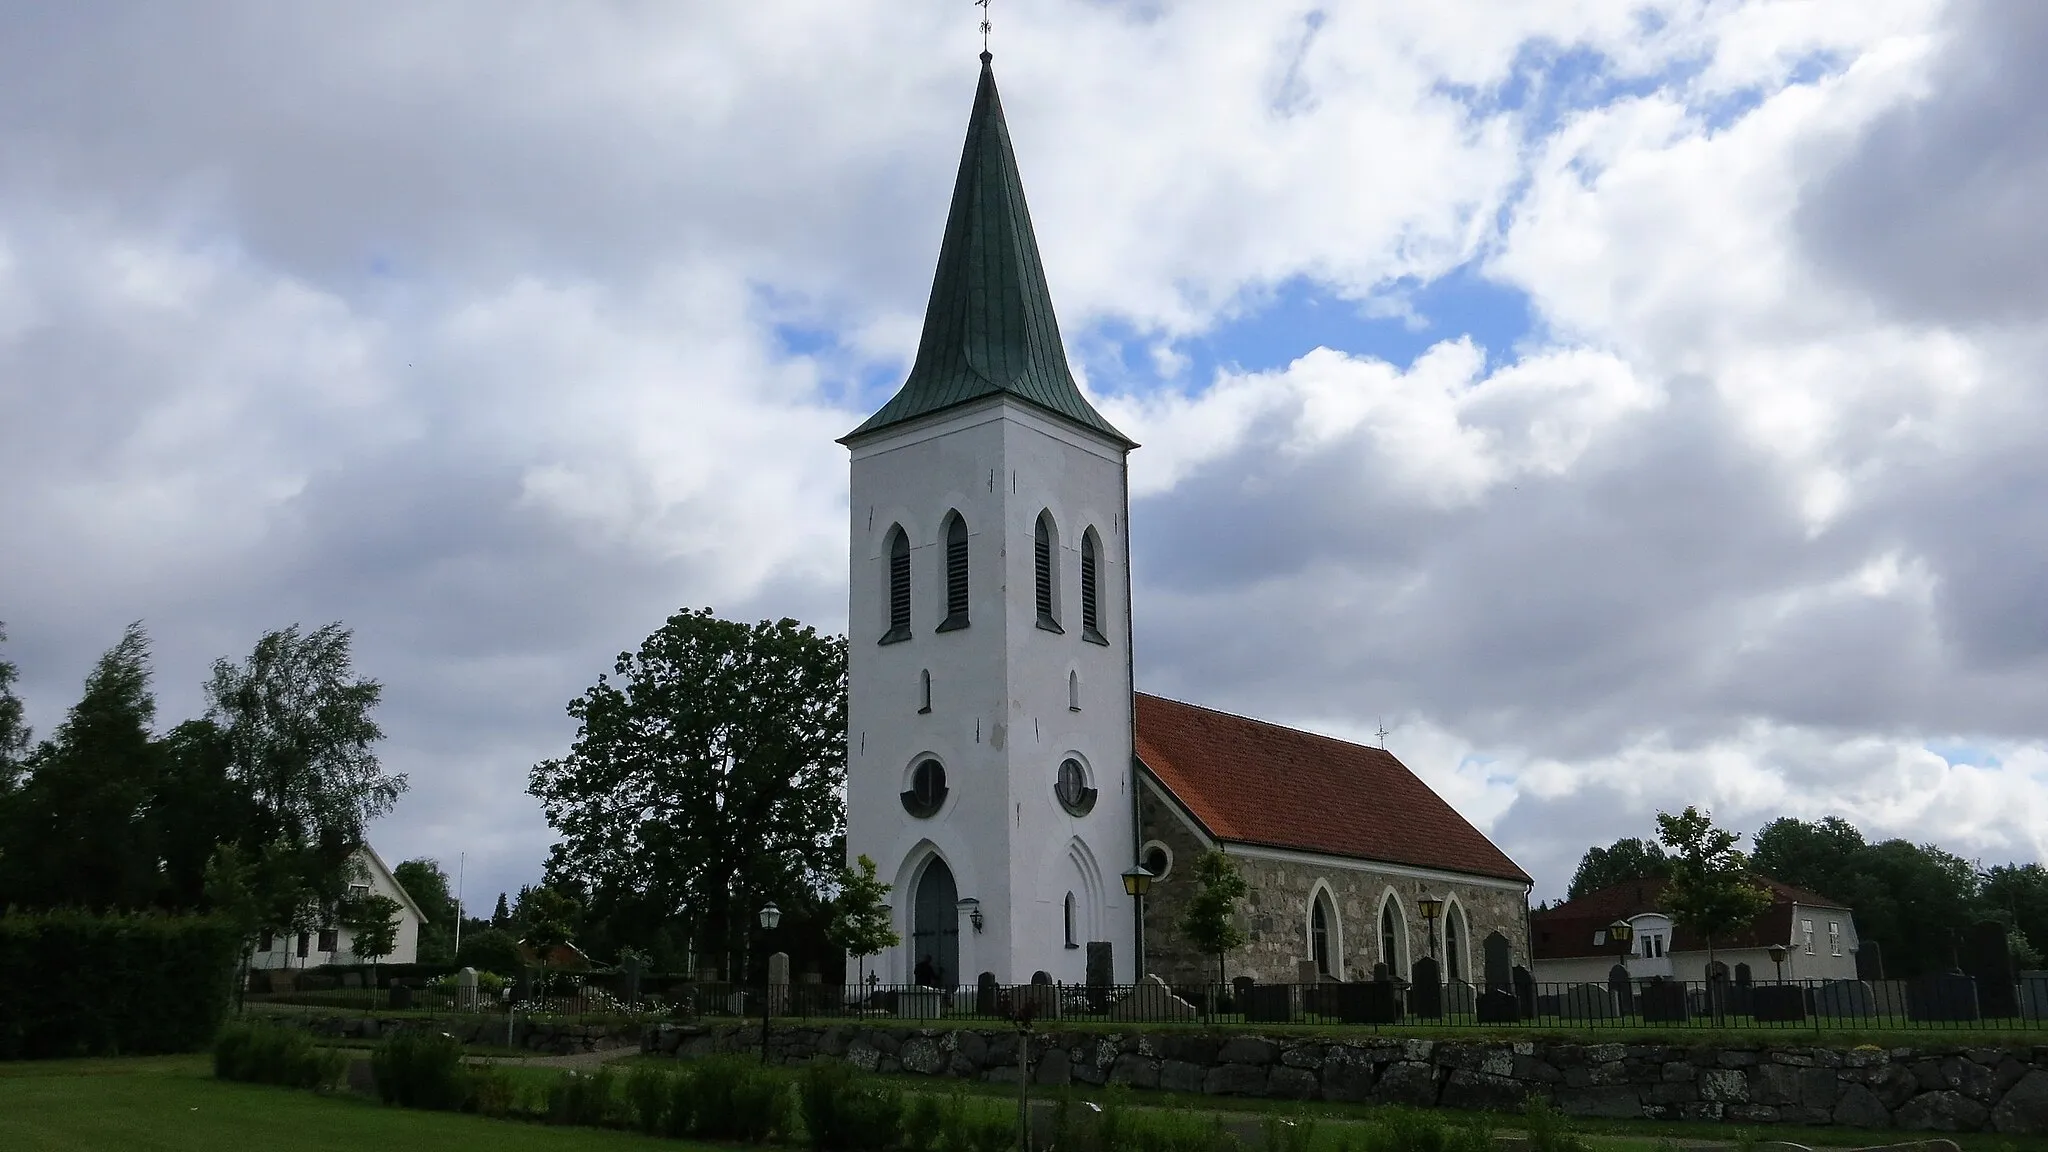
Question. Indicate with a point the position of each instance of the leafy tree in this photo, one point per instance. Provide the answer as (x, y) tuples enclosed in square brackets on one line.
[(860, 921), (547, 917), (501, 916), (372, 923), (79, 832), (1619, 863), (708, 781), (14, 731), (197, 806), (491, 950), (1709, 890), (2018, 894), (424, 881), (1210, 919), (298, 735)]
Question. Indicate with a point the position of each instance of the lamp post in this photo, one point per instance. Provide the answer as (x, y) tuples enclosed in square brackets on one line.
[(1431, 908), (770, 917), (1777, 954), (1621, 932), (1137, 882)]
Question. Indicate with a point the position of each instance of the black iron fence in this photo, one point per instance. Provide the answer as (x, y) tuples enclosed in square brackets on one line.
[(1942, 1001)]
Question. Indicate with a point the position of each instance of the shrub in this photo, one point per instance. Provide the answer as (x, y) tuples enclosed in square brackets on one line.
[(491, 1091), (679, 1118), (120, 985), (842, 1114), (490, 950), (422, 1070), (1404, 1131), (584, 1101), (264, 1053), (1548, 1131), (649, 1093)]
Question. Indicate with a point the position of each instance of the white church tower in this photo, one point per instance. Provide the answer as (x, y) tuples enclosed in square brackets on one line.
[(989, 744)]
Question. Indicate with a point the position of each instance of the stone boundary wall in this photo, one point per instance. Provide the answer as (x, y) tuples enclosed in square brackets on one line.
[(542, 1038), (1925, 1088)]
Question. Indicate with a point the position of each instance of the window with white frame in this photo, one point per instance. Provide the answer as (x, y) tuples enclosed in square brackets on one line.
[(1806, 935), (1834, 938)]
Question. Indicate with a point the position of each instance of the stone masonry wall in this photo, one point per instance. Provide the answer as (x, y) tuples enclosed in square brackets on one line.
[(1275, 913), (544, 1038), (1929, 1088)]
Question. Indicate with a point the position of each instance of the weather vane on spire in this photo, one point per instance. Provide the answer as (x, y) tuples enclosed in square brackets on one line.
[(983, 5)]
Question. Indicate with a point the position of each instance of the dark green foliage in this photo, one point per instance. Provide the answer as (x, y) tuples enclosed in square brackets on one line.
[(491, 1091), (1548, 1130), (1401, 1130), (73, 984), (679, 1116), (419, 1069), (490, 951), (842, 1114), (1710, 890), (734, 1099), (584, 1101), (1624, 860), (265, 1053), (1210, 920), (424, 881), (731, 739), (14, 731), (650, 1093)]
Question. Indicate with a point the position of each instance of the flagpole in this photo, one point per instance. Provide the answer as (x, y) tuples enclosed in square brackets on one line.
[(461, 867)]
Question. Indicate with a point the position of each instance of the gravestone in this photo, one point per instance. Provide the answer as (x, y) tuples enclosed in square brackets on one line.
[(632, 977), (1041, 997), (1618, 982), (1663, 1002), (1987, 958), (1241, 993), (1942, 996), (401, 997), (1381, 973), (1851, 999), (2034, 995), (986, 995), (1372, 1002), (522, 988), (1738, 1003), (1869, 961), (1460, 999), (352, 980), (1426, 994), (1525, 991), (1267, 1003), (1586, 1002), (465, 990), (778, 983), (1497, 1006), (1777, 1003), (1152, 1002), (1497, 963), (1100, 975)]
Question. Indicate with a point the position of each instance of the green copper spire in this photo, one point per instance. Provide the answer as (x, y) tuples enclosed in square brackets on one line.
[(989, 327)]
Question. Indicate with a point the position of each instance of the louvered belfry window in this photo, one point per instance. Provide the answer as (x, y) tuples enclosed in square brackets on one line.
[(1041, 556), (899, 588), (1091, 603), (956, 574)]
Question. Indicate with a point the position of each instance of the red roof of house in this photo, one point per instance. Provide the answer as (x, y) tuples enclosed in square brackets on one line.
[(1252, 782), (1567, 930)]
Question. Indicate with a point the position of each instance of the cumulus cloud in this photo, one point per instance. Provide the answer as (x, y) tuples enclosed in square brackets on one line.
[(500, 332)]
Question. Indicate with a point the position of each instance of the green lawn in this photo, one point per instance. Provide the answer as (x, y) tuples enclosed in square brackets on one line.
[(174, 1105)]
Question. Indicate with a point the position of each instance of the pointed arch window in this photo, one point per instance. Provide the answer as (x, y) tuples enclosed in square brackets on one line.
[(1091, 589), (956, 573), (1454, 952), (899, 586), (1319, 935), (1045, 547), (1390, 940)]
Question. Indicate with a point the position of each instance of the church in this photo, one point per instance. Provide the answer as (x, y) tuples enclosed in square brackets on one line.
[(1004, 773)]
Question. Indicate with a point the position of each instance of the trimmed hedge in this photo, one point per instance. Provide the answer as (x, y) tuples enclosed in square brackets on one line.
[(261, 1052), (132, 984)]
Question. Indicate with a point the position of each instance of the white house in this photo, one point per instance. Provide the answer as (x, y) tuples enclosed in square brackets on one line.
[(331, 945), (1573, 941)]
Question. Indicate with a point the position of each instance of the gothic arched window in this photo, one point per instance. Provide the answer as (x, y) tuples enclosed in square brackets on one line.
[(899, 586), (956, 573), (1454, 952), (1319, 935), (1390, 940), (1044, 548), (1091, 598)]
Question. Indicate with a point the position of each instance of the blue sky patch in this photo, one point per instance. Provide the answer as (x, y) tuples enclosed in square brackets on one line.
[(1969, 754)]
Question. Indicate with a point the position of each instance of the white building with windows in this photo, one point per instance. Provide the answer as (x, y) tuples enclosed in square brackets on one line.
[(995, 763), (331, 943), (1575, 943)]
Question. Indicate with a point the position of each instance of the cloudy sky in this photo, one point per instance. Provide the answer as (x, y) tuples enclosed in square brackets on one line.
[(1629, 405)]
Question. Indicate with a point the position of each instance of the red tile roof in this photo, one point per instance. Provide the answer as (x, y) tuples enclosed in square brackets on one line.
[(1567, 929), (1251, 782)]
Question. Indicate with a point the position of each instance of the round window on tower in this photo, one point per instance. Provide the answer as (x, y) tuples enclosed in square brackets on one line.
[(927, 791), (1072, 787)]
